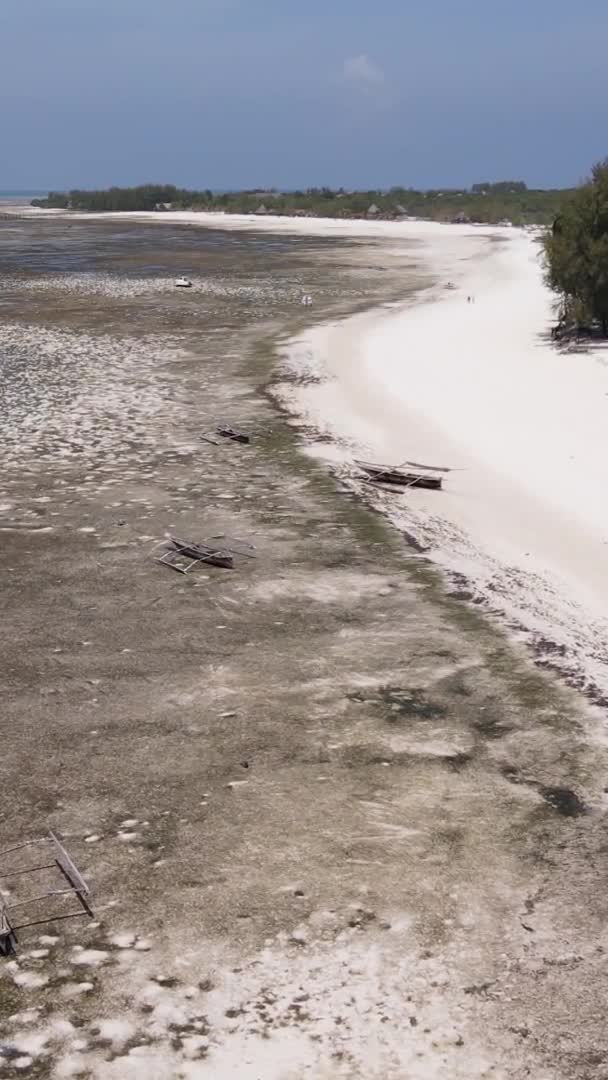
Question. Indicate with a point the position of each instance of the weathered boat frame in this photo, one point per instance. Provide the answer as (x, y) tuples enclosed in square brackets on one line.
[(60, 861), (205, 551), (196, 553), (390, 474), (232, 433)]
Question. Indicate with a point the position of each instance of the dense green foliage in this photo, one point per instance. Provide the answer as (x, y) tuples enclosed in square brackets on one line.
[(144, 197), (576, 252), (501, 188), (485, 203)]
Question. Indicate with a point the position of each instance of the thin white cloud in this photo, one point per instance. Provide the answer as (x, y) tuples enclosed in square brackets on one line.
[(362, 72)]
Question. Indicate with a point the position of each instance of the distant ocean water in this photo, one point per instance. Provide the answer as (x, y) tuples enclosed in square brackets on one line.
[(22, 196)]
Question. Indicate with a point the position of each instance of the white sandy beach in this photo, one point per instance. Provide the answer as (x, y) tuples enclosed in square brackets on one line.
[(480, 388)]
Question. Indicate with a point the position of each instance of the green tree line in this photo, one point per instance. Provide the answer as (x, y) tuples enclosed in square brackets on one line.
[(485, 203)]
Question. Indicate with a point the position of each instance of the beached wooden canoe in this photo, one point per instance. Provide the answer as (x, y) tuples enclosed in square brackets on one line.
[(232, 433), (389, 474), (203, 553)]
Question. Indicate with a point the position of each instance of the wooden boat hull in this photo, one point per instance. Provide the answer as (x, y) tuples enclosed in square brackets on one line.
[(380, 475), (231, 433), (214, 556)]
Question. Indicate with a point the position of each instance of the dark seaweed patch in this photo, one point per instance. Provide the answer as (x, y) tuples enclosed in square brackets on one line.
[(401, 702), (564, 800)]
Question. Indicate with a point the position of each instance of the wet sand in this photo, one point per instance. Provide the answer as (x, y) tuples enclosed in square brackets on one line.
[(334, 823)]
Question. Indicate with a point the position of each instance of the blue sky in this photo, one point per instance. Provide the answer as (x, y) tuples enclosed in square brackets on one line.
[(231, 93)]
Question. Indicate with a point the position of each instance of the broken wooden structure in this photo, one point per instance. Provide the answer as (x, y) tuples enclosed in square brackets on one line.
[(225, 432), (62, 870), (422, 476), (184, 555)]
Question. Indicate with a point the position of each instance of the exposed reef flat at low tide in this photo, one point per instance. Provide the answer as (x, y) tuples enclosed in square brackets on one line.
[(334, 823)]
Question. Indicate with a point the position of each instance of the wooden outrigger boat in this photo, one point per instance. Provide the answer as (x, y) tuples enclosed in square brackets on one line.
[(184, 555), (390, 474), (199, 553), (233, 433)]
